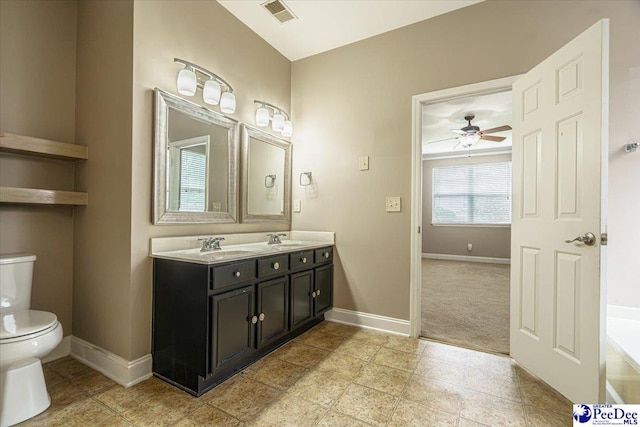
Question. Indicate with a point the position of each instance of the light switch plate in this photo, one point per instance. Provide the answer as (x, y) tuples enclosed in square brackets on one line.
[(363, 161), (393, 204), (297, 205)]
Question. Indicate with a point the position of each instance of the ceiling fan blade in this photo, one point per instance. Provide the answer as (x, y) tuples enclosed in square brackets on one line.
[(493, 138), (440, 140), (498, 129), (461, 132), (456, 146)]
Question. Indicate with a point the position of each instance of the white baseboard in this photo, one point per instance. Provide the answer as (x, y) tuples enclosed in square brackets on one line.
[(369, 321), (62, 350), (113, 366), (468, 258)]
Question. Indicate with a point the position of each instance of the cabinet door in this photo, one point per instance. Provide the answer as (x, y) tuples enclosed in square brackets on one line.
[(323, 289), (273, 307), (301, 299), (232, 327)]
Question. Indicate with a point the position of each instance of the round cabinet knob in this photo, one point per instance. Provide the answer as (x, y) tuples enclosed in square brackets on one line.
[(326, 254), (276, 266), (261, 317), (303, 260), (254, 319), (236, 273), (313, 294), (318, 292)]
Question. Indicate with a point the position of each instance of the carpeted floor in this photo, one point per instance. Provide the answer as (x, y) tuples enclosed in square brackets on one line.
[(466, 303)]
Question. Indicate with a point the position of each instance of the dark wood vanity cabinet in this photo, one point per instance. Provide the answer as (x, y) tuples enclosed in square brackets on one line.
[(211, 321)]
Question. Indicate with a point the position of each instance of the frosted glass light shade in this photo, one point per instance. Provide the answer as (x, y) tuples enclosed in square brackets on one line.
[(277, 123), (228, 103), (468, 140), (187, 82), (262, 117), (211, 92), (287, 129)]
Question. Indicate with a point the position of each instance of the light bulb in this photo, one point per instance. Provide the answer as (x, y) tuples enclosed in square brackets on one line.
[(287, 129), (187, 82), (277, 123), (262, 117), (228, 103), (211, 92)]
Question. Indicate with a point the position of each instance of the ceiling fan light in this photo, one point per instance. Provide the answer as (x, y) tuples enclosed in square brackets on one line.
[(469, 139)]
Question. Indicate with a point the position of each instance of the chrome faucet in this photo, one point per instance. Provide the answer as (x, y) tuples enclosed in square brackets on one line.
[(274, 238), (211, 244)]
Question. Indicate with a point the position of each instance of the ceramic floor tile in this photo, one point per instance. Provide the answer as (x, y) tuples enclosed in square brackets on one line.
[(409, 414), (93, 383), (301, 354), (336, 419), (440, 370), (406, 344), (64, 394), (383, 378), (243, 399), (536, 393), (207, 415), (319, 387), (358, 349), (435, 395), (322, 340), (447, 353), (51, 378), (396, 359), (335, 328), (341, 366), (492, 363), (494, 384), (69, 368), (122, 399), (540, 417), (366, 404), (289, 411), (491, 410), (83, 413), (371, 337), (463, 422), (163, 410), (278, 373)]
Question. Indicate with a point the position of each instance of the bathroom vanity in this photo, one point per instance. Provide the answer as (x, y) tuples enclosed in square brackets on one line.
[(216, 312)]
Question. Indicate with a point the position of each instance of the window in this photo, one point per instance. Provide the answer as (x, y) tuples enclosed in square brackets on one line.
[(193, 167), (472, 194)]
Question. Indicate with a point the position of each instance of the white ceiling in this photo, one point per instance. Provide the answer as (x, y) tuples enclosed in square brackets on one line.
[(326, 24), (438, 119)]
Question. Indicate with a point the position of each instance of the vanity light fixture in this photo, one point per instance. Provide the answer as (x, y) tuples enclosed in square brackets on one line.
[(280, 121), (305, 179), (215, 90)]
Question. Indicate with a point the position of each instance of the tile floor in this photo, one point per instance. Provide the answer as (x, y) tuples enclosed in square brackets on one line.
[(333, 375)]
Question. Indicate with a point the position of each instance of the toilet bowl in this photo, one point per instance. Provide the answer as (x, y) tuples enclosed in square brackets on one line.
[(25, 337)]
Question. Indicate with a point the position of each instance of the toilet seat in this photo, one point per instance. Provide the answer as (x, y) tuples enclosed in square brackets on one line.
[(25, 324)]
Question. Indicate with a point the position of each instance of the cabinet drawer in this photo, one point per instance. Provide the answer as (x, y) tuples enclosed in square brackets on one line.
[(300, 260), (324, 255), (273, 265), (232, 274)]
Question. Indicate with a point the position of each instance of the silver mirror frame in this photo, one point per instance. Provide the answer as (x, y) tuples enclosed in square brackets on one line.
[(163, 101), (251, 132)]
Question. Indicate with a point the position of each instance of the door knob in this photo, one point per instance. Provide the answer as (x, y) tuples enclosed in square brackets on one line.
[(587, 238)]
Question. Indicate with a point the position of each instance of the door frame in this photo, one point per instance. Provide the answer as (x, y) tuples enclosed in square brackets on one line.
[(482, 88)]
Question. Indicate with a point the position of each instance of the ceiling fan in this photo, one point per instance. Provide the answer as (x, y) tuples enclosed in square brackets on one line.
[(471, 134)]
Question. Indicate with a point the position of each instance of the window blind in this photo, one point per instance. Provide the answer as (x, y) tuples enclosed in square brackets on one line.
[(472, 194), (193, 175)]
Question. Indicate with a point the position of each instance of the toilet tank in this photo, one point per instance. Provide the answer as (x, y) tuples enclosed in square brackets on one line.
[(16, 273)]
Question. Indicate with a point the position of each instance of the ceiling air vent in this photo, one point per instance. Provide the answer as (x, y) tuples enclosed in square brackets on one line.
[(279, 10)]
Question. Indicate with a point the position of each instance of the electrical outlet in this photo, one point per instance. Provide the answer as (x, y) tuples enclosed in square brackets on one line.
[(469, 247), (364, 163), (297, 205), (393, 204)]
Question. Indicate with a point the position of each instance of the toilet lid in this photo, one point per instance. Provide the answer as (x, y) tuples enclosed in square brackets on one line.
[(25, 322)]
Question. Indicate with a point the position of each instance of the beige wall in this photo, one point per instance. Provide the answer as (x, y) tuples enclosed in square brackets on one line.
[(487, 241), (102, 285), (207, 34), (356, 100), (37, 98)]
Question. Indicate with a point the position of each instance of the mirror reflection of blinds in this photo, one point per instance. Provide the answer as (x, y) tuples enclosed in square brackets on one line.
[(472, 194), (193, 166)]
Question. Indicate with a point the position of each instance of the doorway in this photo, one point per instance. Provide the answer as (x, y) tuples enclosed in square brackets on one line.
[(466, 199)]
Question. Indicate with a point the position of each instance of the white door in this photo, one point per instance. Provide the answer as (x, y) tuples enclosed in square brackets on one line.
[(559, 193)]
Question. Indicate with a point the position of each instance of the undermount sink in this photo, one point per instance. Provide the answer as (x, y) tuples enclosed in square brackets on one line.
[(291, 243)]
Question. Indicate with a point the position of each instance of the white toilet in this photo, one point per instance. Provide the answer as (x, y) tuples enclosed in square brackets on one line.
[(25, 337)]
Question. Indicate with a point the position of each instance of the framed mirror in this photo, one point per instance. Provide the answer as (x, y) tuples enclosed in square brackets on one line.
[(195, 163), (266, 177)]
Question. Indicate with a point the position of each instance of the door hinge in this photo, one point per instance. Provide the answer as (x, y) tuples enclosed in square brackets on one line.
[(418, 229), (604, 239)]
